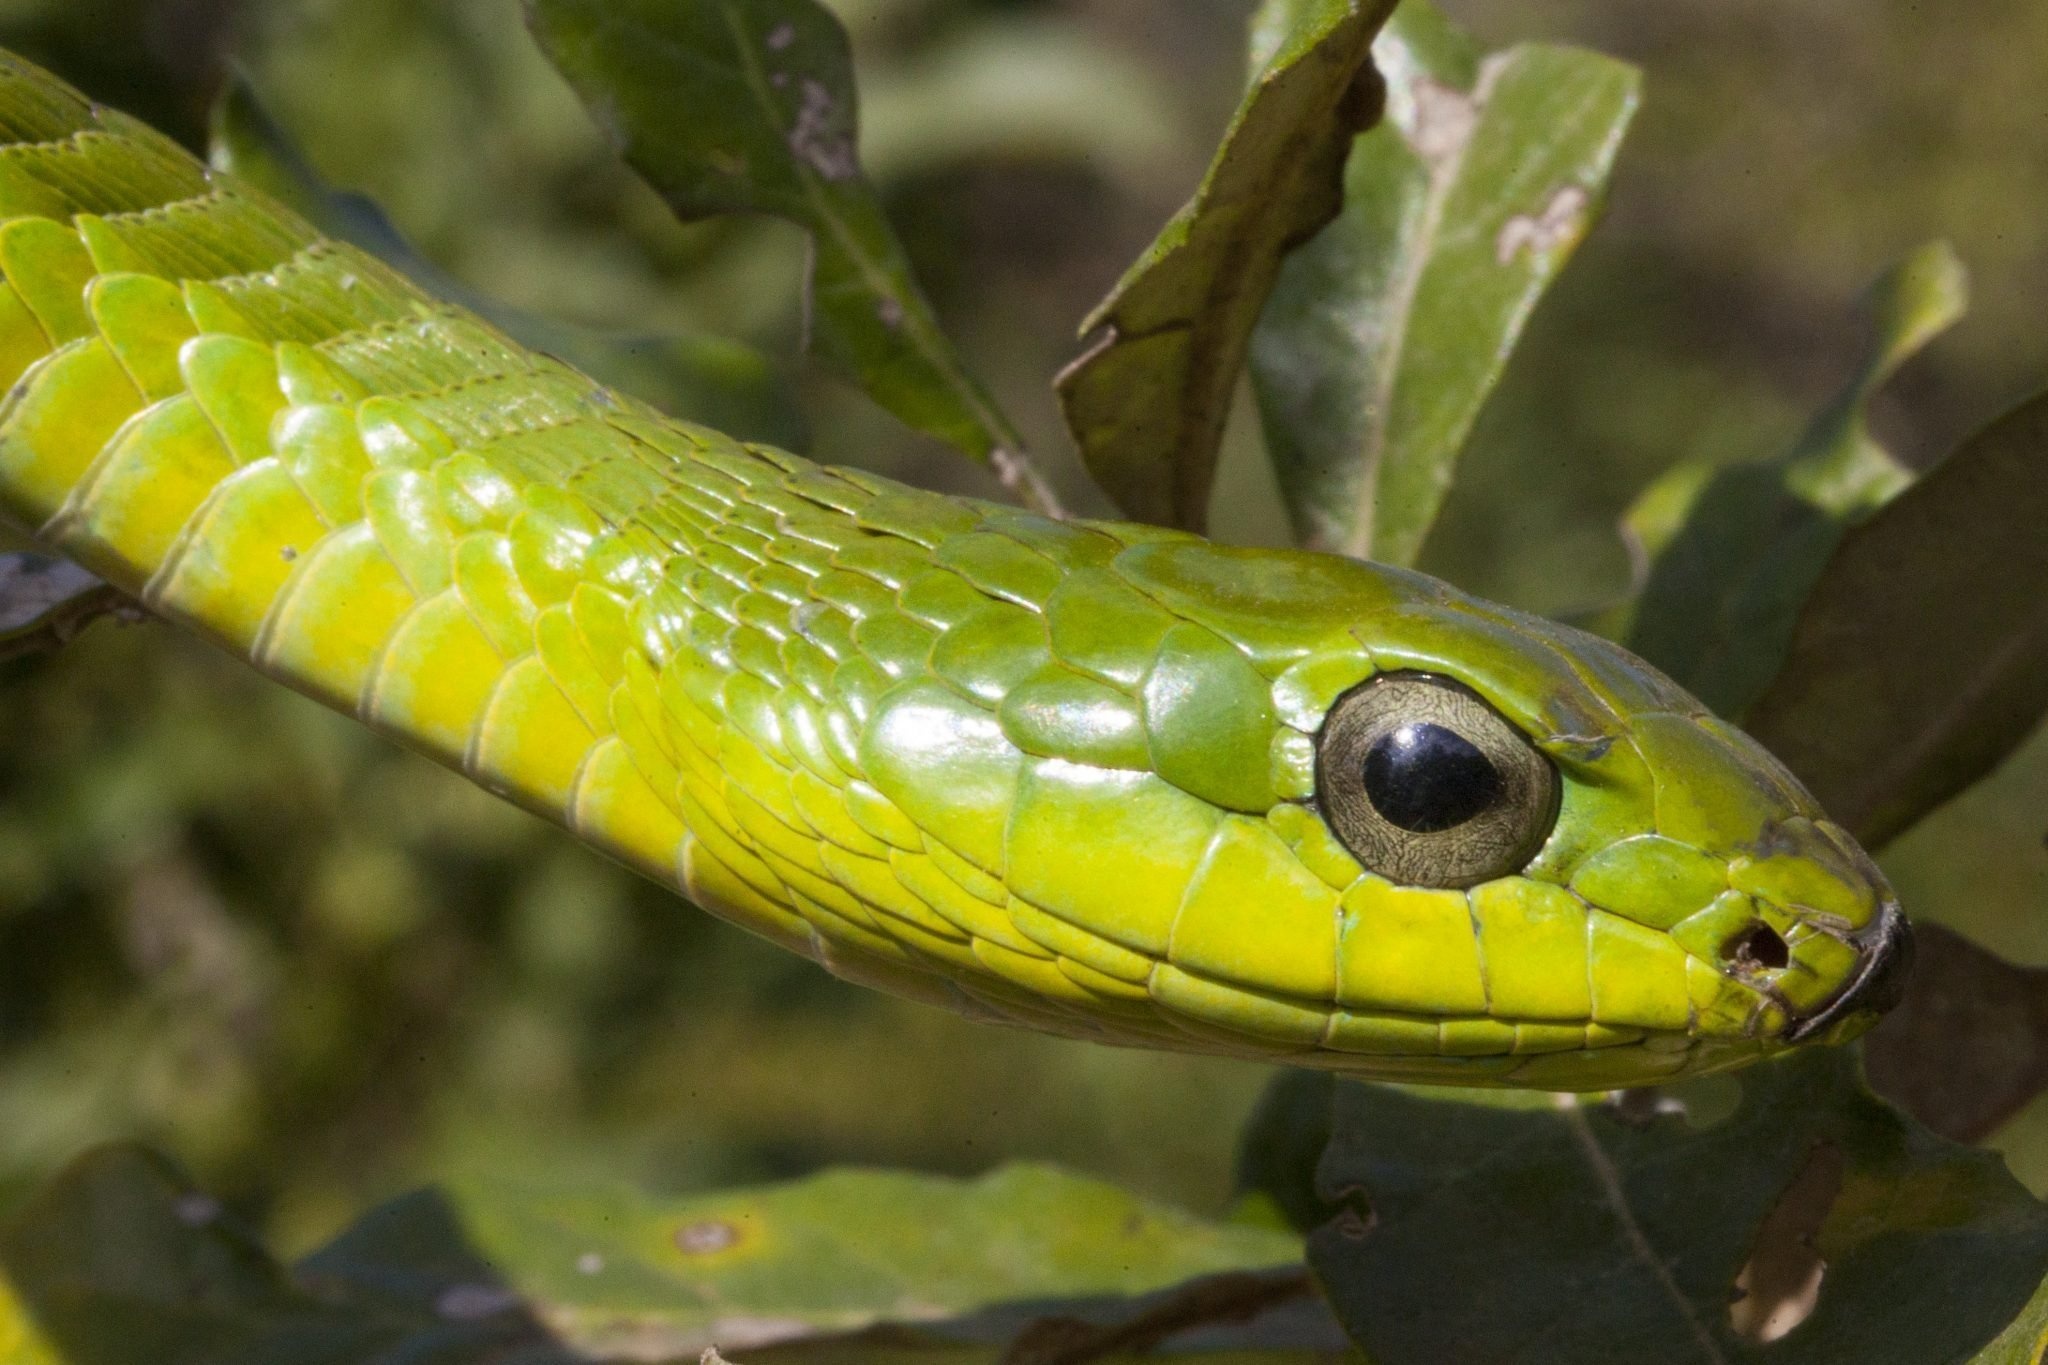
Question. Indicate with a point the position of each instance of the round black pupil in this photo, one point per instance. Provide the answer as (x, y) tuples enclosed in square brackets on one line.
[(1426, 778)]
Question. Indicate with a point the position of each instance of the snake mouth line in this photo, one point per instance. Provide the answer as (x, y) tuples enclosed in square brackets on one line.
[(1887, 949), (1347, 1030)]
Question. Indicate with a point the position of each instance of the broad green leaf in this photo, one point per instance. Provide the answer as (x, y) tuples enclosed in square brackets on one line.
[(1601, 1232), (1147, 401), (1920, 659), (45, 601), (1386, 333), (1733, 553), (837, 1252), (122, 1260), (748, 106), (712, 380), (1968, 1046)]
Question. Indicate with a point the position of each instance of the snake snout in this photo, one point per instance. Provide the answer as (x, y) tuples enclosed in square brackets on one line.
[(1886, 947)]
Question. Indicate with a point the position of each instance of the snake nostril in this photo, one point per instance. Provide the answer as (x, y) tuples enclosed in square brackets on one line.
[(1757, 948)]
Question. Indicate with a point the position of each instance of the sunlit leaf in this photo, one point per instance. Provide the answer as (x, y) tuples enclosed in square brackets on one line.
[(1386, 333), (1920, 659), (45, 601), (840, 1251), (123, 1260), (1731, 555), (1968, 1046), (21, 1341), (1584, 1231), (1147, 402), (713, 380), (748, 106)]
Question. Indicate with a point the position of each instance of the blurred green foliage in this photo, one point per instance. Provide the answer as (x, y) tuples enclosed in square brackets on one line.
[(322, 971)]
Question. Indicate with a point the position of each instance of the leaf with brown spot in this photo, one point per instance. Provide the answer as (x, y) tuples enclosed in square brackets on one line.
[(123, 1262), (1385, 335), (1779, 1285)]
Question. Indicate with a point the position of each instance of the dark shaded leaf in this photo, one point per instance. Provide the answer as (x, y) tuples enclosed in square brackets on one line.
[(1386, 333), (1732, 553), (1283, 1140), (121, 1261), (1921, 658), (748, 106), (1218, 1300), (1968, 1046), (712, 380), (1147, 402), (901, 1348), (2025, 1342), (45, 601), (1600, 1233)]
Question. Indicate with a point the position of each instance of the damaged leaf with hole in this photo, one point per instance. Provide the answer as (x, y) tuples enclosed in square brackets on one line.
[(1813, 1222)]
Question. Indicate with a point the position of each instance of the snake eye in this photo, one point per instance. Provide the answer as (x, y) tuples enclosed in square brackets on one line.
[(1429, 786)]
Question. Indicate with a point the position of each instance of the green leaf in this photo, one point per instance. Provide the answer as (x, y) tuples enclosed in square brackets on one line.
[(45, 601), (1731, 555), (1968, 1046), (21, 1342), (1920, 659), (713, 380), (1147, 402), (840, 1251), (1385, 334), (748, 106), (1610, 1232), (122, 1260)]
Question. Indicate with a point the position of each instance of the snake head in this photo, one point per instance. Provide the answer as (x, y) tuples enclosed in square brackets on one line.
[(1495, 850)]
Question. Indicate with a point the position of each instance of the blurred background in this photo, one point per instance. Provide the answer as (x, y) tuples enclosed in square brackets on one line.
[(321, 971)]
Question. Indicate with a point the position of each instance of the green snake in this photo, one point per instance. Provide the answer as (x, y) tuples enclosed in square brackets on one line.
[(1107, 780)]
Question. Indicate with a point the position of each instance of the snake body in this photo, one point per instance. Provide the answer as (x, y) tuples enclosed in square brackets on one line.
[(1064, 775)]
